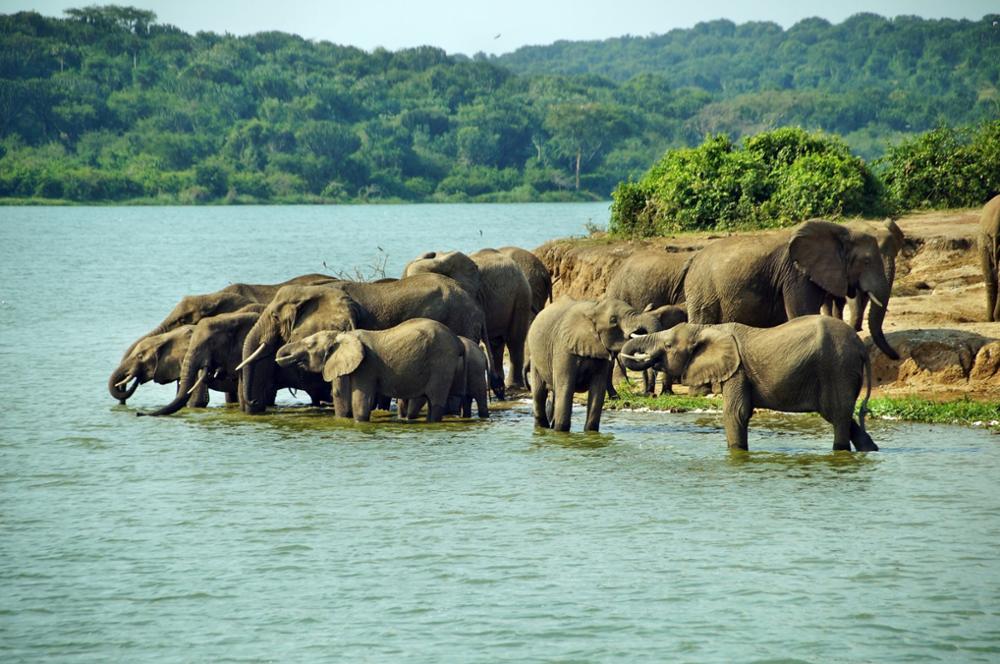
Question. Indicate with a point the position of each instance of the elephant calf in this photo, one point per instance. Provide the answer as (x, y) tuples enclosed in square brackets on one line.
[(417, 358), (809, 364), (469, 386), (571, 344)]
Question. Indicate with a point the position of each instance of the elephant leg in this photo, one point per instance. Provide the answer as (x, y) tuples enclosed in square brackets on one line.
[(842, 435), (609, 387), (736, 411), (361, 404), (497, 346), (232, 397), (435, 412), (668, 384), (539, 395), (414, 406), (862, 441), (482, 407), (562, 400), (199, 398), (595, 399), (649, 382), (992, 299), (341, 397), (466, 407), (858, 306), (516, 376)]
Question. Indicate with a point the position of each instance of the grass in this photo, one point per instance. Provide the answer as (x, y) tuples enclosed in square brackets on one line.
[(965, 411)]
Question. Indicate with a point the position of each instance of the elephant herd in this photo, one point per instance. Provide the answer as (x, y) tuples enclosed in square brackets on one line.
[(756, 318)]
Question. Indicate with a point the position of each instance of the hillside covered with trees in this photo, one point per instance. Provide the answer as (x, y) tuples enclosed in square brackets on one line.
[(107, 104)]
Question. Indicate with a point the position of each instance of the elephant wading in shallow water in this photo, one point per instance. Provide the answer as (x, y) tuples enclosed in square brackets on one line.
[(469, 387), (299, 311), (989, 255), (419, 358), (809, 364), (765, 281), (571, 344), (193, 308)]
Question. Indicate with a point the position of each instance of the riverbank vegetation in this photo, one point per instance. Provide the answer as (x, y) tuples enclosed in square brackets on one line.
[(106, 104)]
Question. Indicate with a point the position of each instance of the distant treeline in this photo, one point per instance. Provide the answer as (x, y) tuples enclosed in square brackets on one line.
[(109, 105)]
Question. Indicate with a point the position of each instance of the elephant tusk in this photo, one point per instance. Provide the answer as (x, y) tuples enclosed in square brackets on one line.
[(635, 335), (197, 384), (252, 358), (638, 357), (123, 383), (877, 301)]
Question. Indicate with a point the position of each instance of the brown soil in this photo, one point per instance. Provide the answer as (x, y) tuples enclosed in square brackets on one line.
[(936, 314)]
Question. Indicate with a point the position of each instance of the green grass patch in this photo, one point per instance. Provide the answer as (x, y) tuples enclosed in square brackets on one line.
[(671, 403)]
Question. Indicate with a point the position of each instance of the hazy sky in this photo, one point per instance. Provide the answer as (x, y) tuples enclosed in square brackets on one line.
[(468, 26)]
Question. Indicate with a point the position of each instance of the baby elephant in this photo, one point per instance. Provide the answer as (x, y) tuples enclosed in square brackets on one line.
[(468, 387), (417, 358), (809, 364)]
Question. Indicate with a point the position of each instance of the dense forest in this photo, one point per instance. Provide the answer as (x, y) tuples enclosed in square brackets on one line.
[(107, 104)]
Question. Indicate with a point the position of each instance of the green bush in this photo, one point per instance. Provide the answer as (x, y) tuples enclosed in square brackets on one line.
[(774, 178)]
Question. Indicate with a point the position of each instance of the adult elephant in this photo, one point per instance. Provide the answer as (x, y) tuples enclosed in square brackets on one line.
[(890, 240), (214, 351), (193, 308), (989, 255), (571, 343), (809, 364), (651, 277), (157, 358), (417, 359), (503, 293), (764, 281), (299, 311), (535, 272)]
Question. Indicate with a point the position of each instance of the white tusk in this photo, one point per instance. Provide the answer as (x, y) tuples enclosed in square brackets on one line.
[(253, 356), (876, 301), (125, 382), (639, 357), (635, 335), (197, 384)]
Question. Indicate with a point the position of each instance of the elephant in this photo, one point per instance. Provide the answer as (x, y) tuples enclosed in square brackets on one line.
[(214, 352), (535, 272), (651, 320), (192, 308), (158, 358), (471, 387), (764, 281), (504, 295), (989, 255), (890, 240), (650, 276), (299, 311), (571, 343), (417, 358), (808, 364)]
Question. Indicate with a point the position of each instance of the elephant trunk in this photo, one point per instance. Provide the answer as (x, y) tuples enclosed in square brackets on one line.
[(641, 352), (258, 374), (876, 316), (118, 390), (193, 374)]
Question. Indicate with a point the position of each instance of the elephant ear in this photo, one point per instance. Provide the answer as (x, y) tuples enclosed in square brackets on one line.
[(580, 333), (345, 359), (896, 233), (714, 359), (818, 247)]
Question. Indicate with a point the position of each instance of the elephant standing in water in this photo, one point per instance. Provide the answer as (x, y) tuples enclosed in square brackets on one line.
[(571, 343), (989, 255), (470, 386), (193, 308), (299, 311), (766, 281), (811, 363), (419, 358)]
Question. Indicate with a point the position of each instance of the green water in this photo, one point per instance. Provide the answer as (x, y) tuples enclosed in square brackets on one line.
[(214, 536)]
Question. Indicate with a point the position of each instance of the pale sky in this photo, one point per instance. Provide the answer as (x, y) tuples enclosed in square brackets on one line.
[(468, 26)]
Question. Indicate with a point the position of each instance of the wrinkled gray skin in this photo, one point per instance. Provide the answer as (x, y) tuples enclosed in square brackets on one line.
[(570, 344), (158, 358), (535, 272), (214, 352), (471, 388), (192, 308), (765, 281), (809, 364), (419, 358), (503, 293), (299, 311), (667, 316), (650, 277), (890, 240), (989, 255), (650, 320)]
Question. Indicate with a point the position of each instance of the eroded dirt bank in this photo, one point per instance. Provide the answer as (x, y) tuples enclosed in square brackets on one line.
[(936, 314)]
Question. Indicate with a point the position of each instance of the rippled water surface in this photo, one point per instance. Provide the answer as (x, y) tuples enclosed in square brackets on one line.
[(213, 536)]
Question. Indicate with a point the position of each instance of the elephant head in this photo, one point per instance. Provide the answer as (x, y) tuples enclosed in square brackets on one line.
[(294, 313), (215, 350), (155, 357), (844, 262), (334, 354), (599, 329), (693, 354)]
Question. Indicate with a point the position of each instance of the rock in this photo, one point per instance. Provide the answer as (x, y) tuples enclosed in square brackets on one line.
[(936, 357)]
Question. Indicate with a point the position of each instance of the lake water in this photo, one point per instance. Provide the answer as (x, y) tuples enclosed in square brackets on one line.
[(214, 536)]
